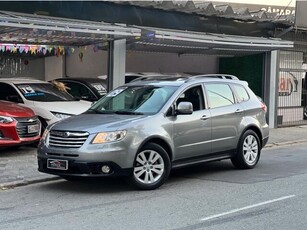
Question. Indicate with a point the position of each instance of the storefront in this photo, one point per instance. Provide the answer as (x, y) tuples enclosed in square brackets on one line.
[(65, 36)]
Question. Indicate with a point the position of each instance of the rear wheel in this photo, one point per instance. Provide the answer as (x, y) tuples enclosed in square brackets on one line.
[(248, 152), (151, 167)]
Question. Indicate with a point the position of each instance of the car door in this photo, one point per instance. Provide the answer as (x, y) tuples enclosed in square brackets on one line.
[(192, 133), (226, 116)]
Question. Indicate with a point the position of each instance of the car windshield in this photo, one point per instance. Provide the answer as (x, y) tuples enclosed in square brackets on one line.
[(43, 92), (134, 100)]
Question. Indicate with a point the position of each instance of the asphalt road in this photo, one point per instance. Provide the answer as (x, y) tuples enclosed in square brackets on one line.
[(209, 196)]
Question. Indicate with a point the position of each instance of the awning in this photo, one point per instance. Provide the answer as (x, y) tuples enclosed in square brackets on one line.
[(187, 42), (36, 29), (19, 28)]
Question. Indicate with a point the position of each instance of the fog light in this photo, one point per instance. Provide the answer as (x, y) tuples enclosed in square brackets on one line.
[(105, 169)]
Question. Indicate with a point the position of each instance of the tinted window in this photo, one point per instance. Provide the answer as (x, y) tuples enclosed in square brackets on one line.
[(219, 95), (79, 90), (241, 93), (8, 93)]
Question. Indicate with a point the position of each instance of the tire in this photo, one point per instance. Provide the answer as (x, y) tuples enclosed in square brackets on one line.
[(248, 151), (151, 167)]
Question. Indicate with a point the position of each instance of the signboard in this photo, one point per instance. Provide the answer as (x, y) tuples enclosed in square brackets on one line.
[(279, 7), (301, 16)]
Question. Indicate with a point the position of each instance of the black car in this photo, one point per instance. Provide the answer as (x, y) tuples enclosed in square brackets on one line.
[(89, 89)]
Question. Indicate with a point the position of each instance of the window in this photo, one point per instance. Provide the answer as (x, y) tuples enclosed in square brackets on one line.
[(8, 93), (241, 93), (193, 95), (79, 90), (219, 95)]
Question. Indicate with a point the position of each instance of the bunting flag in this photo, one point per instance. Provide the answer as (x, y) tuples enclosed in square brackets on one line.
[(37, 49)]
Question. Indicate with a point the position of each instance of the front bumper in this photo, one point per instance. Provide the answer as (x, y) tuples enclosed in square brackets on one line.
[(83, 169)]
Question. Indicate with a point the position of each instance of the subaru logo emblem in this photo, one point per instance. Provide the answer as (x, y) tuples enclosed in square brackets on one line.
[(31, 120), (66, 134)]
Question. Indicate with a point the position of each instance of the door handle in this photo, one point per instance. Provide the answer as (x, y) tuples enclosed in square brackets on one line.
[(204, 117), (239, 111)]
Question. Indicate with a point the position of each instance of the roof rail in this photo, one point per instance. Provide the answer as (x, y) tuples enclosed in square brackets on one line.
[(221, 76)]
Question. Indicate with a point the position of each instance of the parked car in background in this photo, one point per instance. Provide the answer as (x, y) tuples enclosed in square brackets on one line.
[(89, 89), (50, 103), (129, 76), (18, 125), (145, 128), (158, 76)]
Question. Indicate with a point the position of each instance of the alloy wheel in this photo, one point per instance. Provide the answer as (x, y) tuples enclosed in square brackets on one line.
[(250, 149), (149, 167)]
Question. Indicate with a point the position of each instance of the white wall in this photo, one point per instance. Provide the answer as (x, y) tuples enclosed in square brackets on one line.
[(170, 63), (54, 67), (22, 67), (94, 64)]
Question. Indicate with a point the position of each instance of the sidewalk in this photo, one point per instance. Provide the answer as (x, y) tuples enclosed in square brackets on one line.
[(19, 167)]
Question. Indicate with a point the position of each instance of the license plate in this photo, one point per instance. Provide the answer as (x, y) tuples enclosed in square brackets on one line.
[(33, 128), (57, 164)]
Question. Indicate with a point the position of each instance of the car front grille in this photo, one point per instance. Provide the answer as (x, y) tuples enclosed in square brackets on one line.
[(24, 123), (67, 139)]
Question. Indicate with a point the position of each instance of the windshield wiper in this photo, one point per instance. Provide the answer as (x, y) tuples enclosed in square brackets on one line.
[(125, 112)]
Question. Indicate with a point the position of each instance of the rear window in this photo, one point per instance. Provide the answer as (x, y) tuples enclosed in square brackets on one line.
[(219, 95), (241, 93)]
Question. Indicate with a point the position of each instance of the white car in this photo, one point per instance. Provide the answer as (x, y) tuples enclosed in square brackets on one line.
[(48, 102)]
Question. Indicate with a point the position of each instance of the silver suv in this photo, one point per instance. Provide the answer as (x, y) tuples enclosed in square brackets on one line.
[(146, 128)]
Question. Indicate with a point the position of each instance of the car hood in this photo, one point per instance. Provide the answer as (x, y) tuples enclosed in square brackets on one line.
[(67, 107), (14, 110), (94, 123)]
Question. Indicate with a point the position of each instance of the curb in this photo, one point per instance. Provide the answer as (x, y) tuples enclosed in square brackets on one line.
[(286, 143), (19, 183)]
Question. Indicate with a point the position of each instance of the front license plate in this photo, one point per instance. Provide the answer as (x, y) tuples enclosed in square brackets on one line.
[(33, 128), (57, 164)]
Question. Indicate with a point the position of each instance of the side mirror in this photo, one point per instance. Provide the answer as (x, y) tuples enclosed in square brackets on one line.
[(184, 108)]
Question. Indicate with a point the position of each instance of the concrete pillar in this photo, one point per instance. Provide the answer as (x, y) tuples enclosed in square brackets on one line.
[(271, 80), (116, 63)]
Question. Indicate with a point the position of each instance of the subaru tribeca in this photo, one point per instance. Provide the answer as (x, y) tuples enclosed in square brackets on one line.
[(146, 128)]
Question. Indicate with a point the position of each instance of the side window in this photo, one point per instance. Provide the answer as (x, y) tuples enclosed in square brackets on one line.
[(219, 95), (8, 93), (193, 95), (241, 93), (79, 90)]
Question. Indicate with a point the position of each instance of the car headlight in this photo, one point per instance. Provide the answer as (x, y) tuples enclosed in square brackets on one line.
[(61, 115), (6, 120), (105, 137)]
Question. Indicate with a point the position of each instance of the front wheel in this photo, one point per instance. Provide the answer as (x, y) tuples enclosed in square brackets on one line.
[(248, 152), (151, 167)]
